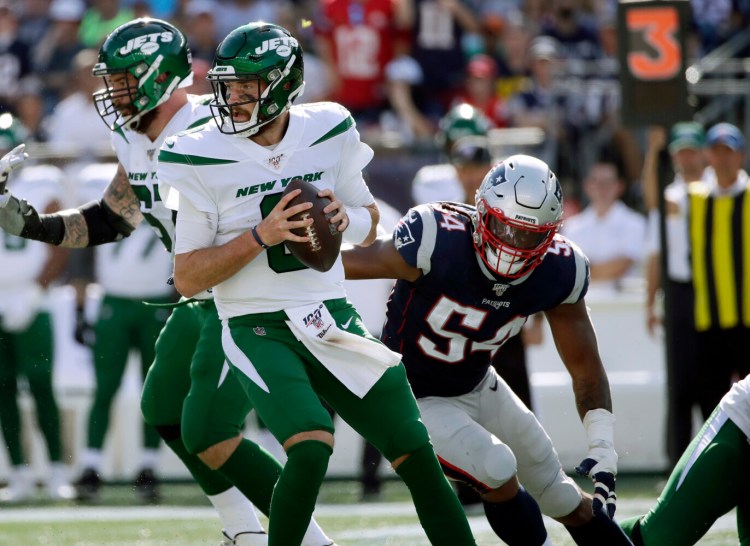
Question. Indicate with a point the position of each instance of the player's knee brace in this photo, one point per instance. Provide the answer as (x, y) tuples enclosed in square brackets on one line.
[(499, 463), (560, 498), (405, 439), (169, 433)]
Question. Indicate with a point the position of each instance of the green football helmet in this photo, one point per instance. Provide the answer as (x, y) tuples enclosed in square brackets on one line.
[(462, 120), (156, 54), (12, 133), (265, 53)]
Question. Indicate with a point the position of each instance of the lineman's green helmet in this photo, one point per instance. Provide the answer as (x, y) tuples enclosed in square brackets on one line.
[(462, 120), (156, 54), (263, 52)]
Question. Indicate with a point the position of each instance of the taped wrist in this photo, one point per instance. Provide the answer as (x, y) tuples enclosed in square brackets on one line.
[(360, 223), (600, 428), (48, 228), (104, 225)]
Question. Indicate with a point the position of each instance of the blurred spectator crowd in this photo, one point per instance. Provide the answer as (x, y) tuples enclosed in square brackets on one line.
[(398, 65), (531, 67)]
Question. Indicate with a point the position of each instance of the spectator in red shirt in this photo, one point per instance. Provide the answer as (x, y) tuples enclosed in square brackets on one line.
[(356, 40), (481, 89)]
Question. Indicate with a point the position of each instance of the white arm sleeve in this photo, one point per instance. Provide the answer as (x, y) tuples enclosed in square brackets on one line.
[(351, 188), (195, 229)]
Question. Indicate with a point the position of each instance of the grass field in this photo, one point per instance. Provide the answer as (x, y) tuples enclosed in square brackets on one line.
[(185, 518)]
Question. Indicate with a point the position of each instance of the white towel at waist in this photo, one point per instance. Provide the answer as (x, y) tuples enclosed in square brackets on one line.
[(355, 361)]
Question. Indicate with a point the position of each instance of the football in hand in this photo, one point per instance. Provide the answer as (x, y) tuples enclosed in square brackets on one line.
[(322, 248)]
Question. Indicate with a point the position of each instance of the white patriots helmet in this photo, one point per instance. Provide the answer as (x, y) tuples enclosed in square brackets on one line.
[(519, 211)]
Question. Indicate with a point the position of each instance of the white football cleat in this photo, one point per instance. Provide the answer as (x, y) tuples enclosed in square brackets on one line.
[(21, 485), (58, 483), (246, 538)]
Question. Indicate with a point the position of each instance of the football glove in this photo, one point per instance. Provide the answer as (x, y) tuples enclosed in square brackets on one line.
[(17, 216), (601, 462), (8, 163)]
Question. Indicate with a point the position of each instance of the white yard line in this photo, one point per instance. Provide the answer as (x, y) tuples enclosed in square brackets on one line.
[(626, 508)]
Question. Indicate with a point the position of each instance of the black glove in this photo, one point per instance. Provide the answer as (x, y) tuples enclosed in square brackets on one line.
[(604, 487)]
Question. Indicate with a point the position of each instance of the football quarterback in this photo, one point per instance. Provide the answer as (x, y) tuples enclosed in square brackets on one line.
[(289, 333)]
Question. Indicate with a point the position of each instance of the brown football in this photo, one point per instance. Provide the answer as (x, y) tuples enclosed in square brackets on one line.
[(321, 251)]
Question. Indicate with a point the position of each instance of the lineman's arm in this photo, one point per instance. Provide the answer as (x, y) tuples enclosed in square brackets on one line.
[(576, 343), (206, 266), (380, 260), (57, 257), (110, 219)]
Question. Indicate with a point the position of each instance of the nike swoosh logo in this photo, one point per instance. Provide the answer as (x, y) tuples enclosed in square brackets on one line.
[(170, 145), (345, 326), (494, 386)]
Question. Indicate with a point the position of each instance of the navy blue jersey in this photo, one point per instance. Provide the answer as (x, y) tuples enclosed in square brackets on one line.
[(450, 322)]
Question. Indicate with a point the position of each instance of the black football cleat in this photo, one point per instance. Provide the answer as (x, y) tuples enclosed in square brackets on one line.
[(146, 487), (87, 486)]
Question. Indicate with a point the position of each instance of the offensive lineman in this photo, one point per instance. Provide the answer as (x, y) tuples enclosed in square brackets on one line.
[(145, 64), (468, 278), (280, 317), (710, 479)]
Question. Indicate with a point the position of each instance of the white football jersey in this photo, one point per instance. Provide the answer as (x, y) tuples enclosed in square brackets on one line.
[(23, 260), (231, 183), (135, 267), (436, 183), (138, 154)]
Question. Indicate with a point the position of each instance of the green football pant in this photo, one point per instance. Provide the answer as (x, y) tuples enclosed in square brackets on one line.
[(387, 416), (30, 354), (189, 396), (711, 478), (284, 381), (123, 324)]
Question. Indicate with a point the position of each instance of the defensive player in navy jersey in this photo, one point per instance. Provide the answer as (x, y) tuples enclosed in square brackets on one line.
[(468, 278)]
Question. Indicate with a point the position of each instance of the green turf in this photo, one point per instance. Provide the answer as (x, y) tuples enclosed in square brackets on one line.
[(349, 521)]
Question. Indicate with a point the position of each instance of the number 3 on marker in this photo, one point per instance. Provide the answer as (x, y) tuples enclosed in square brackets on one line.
[(658, 27)]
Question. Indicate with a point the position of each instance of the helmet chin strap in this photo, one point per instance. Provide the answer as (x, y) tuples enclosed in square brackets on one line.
[(255, 127)]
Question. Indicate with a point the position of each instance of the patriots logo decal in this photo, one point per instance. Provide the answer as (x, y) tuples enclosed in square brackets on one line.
[(558, 192), (498, 177)]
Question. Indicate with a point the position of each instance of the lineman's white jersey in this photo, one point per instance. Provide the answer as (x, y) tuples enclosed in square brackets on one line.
[(23, 260), (135, 267), (736, 404), (437, 183), (138, 154), (227, 184)]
